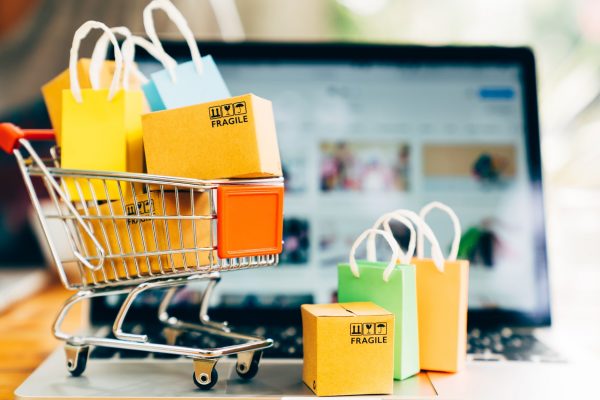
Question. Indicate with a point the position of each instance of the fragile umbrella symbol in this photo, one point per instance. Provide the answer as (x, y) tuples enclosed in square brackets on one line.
[(380, 327)]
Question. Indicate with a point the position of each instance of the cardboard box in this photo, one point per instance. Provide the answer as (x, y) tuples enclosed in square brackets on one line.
[(348, 349), (231, 138), (116, 236)]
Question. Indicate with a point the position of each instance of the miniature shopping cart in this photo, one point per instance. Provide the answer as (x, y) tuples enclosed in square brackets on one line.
[(128, 233)]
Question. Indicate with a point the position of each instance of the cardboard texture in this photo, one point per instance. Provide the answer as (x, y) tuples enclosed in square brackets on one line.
[(53, 90), (398, 296), (115, 236), (232, 138), (250, 220), (442, 299), (189, 87), (348, 349), (101, 134)]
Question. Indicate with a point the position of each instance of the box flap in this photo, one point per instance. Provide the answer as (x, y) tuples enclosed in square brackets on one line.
[(365, 308), (345, 309), (327, 310)]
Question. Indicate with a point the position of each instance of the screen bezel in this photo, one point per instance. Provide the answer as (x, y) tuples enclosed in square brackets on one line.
[(411, 54)]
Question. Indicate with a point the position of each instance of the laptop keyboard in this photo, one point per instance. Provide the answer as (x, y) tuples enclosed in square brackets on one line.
[(492, 345), (506, 344)]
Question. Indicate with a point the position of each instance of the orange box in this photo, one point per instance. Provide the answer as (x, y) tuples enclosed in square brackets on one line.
[(249, 220), (442, 303)]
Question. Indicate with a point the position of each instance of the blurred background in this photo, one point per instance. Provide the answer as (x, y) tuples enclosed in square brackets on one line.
[(564, 34)]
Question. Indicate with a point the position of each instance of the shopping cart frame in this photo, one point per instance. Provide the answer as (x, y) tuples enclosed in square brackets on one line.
[(77, 347)]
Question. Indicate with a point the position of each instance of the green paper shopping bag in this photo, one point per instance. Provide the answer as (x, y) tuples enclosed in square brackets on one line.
[(391, 286)]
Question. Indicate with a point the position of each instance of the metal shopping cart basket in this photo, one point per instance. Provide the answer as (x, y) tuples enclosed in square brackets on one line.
[(129, 233)]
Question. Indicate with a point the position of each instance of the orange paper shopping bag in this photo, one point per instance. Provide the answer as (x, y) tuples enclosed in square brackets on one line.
[(101, 128), (442, 298)]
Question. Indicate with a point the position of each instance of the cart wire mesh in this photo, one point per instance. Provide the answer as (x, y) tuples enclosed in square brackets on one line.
[(126, 228)]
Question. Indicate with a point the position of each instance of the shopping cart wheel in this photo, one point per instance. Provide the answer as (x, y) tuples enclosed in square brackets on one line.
[(77, 357), (205, 374), (247, 364)]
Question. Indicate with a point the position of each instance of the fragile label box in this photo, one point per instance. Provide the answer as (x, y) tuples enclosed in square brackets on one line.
[(230, 138), (130, 234), (348, 349)]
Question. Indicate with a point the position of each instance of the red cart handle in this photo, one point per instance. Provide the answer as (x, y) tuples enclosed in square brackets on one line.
[(10, 135)]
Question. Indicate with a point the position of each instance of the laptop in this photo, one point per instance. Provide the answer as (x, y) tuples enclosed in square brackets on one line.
[(365, 129)]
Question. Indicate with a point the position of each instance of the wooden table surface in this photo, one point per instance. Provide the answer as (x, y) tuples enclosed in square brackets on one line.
[(26, 338)]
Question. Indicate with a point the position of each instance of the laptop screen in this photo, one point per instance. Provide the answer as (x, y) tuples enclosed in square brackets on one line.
[(358, 139)]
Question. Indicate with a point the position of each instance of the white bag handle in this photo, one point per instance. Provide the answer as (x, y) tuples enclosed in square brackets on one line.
[(455, 222), (129, 54), (79, 35), (174, 15), (385, 221), (393, 244), (424, 231), (99, 53)]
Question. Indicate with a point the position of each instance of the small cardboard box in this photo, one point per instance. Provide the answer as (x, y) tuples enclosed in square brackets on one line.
[(230, 138), (348, 349), (129, 235)]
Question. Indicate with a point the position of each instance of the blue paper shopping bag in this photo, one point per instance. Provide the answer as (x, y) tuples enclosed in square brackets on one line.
[(188, 83)]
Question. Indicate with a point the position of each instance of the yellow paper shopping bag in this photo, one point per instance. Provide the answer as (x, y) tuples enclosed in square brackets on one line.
[(95, 73), (52, 91), (101, 128), (442, 298)]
